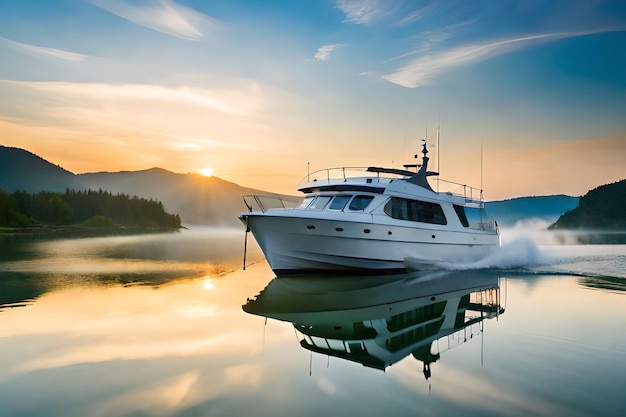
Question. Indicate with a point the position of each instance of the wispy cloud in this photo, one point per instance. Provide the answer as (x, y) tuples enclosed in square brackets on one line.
[(423, 70), (363, 11), (164, 16), (417, 14), (231, 102), (401, 12), (323, 52), (41, 51)]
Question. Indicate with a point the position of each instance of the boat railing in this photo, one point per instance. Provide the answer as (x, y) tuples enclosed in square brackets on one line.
[(469, 193), (338, 175), (328, 176), (263, 203), (487, 226)]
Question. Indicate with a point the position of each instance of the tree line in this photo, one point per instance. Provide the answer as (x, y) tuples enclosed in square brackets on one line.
[(603, 207), (81, 207)]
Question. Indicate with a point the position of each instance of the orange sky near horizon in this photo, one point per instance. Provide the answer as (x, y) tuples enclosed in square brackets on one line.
[(570, 168)]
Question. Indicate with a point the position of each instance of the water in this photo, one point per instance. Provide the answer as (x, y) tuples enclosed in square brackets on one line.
[(170, 325)]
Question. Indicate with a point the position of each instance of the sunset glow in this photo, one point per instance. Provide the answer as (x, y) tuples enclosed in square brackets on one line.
[(135, 85), (207, 172)]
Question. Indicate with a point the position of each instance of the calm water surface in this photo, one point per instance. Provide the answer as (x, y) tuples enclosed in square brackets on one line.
[(170, 325)]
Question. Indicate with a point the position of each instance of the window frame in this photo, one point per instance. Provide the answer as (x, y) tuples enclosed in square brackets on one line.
[(415, 211), (460, 212), (369, 199), (337, 197), (308, 200), (313, 205)]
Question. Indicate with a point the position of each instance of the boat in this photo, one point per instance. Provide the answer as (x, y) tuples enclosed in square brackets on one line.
[(379, 320), (371, 220)]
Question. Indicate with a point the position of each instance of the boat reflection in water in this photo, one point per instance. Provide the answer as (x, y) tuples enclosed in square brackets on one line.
[(379, 320)]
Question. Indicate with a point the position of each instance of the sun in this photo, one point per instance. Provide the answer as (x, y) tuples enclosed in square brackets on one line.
[(207, 172)]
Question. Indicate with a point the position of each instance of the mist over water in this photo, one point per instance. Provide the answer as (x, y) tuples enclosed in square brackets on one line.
[(200, 251)]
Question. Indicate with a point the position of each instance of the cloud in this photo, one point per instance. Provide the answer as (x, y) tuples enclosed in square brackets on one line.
[(423, 70), (418, 14), (155, 125), (363, 11), (231, 102), (44, 52), (323, 52), (164, 16)]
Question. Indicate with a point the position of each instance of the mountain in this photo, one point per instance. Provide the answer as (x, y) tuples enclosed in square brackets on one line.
[(548, 208), (23, 170), (197, 199), (603, 208), (202, 200)]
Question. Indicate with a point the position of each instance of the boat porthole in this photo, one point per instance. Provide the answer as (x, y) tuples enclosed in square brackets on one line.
[(432, 298), (433, 236), (389, 232), (366, 230), (339, 229), (310, 227)]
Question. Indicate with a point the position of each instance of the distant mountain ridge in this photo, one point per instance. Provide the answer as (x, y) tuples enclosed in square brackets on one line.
[(207, 200), (197, 199), (23, 170), (546, 208)]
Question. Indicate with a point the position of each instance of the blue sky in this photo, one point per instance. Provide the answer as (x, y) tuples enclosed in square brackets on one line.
[(255, 90)]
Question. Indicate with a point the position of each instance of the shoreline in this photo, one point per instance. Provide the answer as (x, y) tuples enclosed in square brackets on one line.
[(42, 230)]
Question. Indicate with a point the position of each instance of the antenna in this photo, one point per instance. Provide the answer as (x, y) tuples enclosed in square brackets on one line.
[(438, 150), (481, 168), (425, 140), (482, 204)]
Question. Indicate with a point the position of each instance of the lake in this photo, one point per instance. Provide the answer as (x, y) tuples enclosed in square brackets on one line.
[(171, 325)]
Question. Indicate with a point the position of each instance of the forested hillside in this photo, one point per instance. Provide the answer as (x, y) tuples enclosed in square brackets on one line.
[(603, 207), (90, 208)]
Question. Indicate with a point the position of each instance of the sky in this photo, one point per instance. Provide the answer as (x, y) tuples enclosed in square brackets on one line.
[(259, 92)]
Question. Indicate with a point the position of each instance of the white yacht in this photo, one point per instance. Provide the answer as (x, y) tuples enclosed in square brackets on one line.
[(371, 220)]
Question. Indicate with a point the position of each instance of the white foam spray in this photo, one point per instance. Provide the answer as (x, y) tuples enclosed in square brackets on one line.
[(530, 247)]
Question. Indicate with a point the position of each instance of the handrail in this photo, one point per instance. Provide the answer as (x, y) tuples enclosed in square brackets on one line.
[(267, 202), (469, 193)]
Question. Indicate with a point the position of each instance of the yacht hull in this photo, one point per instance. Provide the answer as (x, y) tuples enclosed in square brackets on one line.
[(300, 245)]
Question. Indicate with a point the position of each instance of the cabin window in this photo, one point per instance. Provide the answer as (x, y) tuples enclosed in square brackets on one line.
[(415, 211), (460, 211), (360, 202), (339, 202), (476, 216), (305, 202), (319, 203)]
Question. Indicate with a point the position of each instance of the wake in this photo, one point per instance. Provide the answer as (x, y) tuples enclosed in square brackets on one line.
[(521, 253), (524, 255)]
